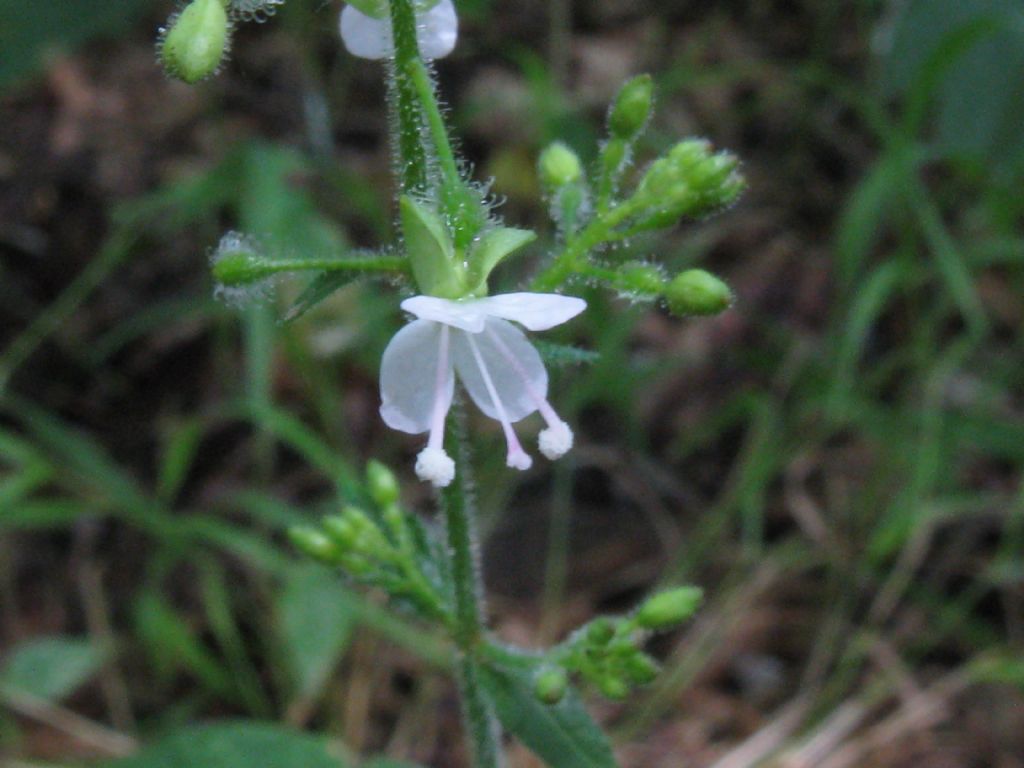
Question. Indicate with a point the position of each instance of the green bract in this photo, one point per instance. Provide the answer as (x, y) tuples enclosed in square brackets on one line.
[(431, 251), (490, 250), (438, 266), (196, 42)]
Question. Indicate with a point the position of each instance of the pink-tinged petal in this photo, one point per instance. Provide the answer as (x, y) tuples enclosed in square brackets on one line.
[(518, 386), (465, 315), (408, 376), (534, 311)]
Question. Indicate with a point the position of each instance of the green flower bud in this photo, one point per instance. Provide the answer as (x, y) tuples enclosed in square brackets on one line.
[(381, 483), (314, 543), (600, 631), (559, 166), (196, 41), (612, 686), (640, 668), (667, 609), (341, 530), (696, 292), (551, 684), (632, 108)]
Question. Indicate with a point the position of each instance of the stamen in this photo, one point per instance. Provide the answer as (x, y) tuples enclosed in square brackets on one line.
[(433, 464), (517, 457), (555, 441)]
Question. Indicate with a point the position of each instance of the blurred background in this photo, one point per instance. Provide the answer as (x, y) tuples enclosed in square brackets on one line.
[(837, 460)]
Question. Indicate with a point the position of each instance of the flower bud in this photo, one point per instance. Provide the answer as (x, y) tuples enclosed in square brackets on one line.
[(640, 668), (612, 686), (667, 609), (551, 685), (559, 166), (696, 292), (382, 484), (196, 41), (313, 543), (632, 108), (600, 631)]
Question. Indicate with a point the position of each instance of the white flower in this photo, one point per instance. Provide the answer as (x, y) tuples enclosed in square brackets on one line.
[(500, 369), (370, 38)]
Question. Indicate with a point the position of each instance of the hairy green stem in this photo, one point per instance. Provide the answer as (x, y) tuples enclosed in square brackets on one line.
[(459, 515), (412, 154), (573, 258)]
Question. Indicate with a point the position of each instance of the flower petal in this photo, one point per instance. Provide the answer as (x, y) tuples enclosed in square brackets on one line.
[(365, 36), (465, 315), (535, 311), (519, 381), (407, 375), (437, 30)]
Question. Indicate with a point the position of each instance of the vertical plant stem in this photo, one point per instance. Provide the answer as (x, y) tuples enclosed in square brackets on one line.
[(412, 155), (459, 515)]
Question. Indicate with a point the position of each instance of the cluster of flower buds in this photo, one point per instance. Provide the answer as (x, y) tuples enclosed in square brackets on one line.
[(608, 652), (383, 547), (690, 181)]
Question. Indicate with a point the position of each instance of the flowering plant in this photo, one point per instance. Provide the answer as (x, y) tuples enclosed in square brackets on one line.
[(452, 240)]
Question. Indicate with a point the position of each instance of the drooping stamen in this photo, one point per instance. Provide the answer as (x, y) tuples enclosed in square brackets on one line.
[(555, 441), (437, 417), (517, 457), (433, 464)]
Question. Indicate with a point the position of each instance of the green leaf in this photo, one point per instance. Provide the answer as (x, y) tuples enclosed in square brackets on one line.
[(321, 287), (563, 734), (316, 617), (491, 249), (51, 667), (237, 744)]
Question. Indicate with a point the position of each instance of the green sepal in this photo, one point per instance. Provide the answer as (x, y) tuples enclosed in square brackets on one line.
[(490, 250), (431, 251), (378, 9)]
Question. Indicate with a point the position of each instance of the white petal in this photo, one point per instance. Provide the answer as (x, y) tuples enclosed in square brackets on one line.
[(370, 38), (465, 315), (437, 30), (408, 373), (365, 36), (535, 311), (517, 389)]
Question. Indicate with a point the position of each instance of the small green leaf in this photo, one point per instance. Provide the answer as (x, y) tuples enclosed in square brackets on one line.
[(563, 734), (51, 668), (430, 250), (316, 616), (320, 288), (490, 250), (237, 744)]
